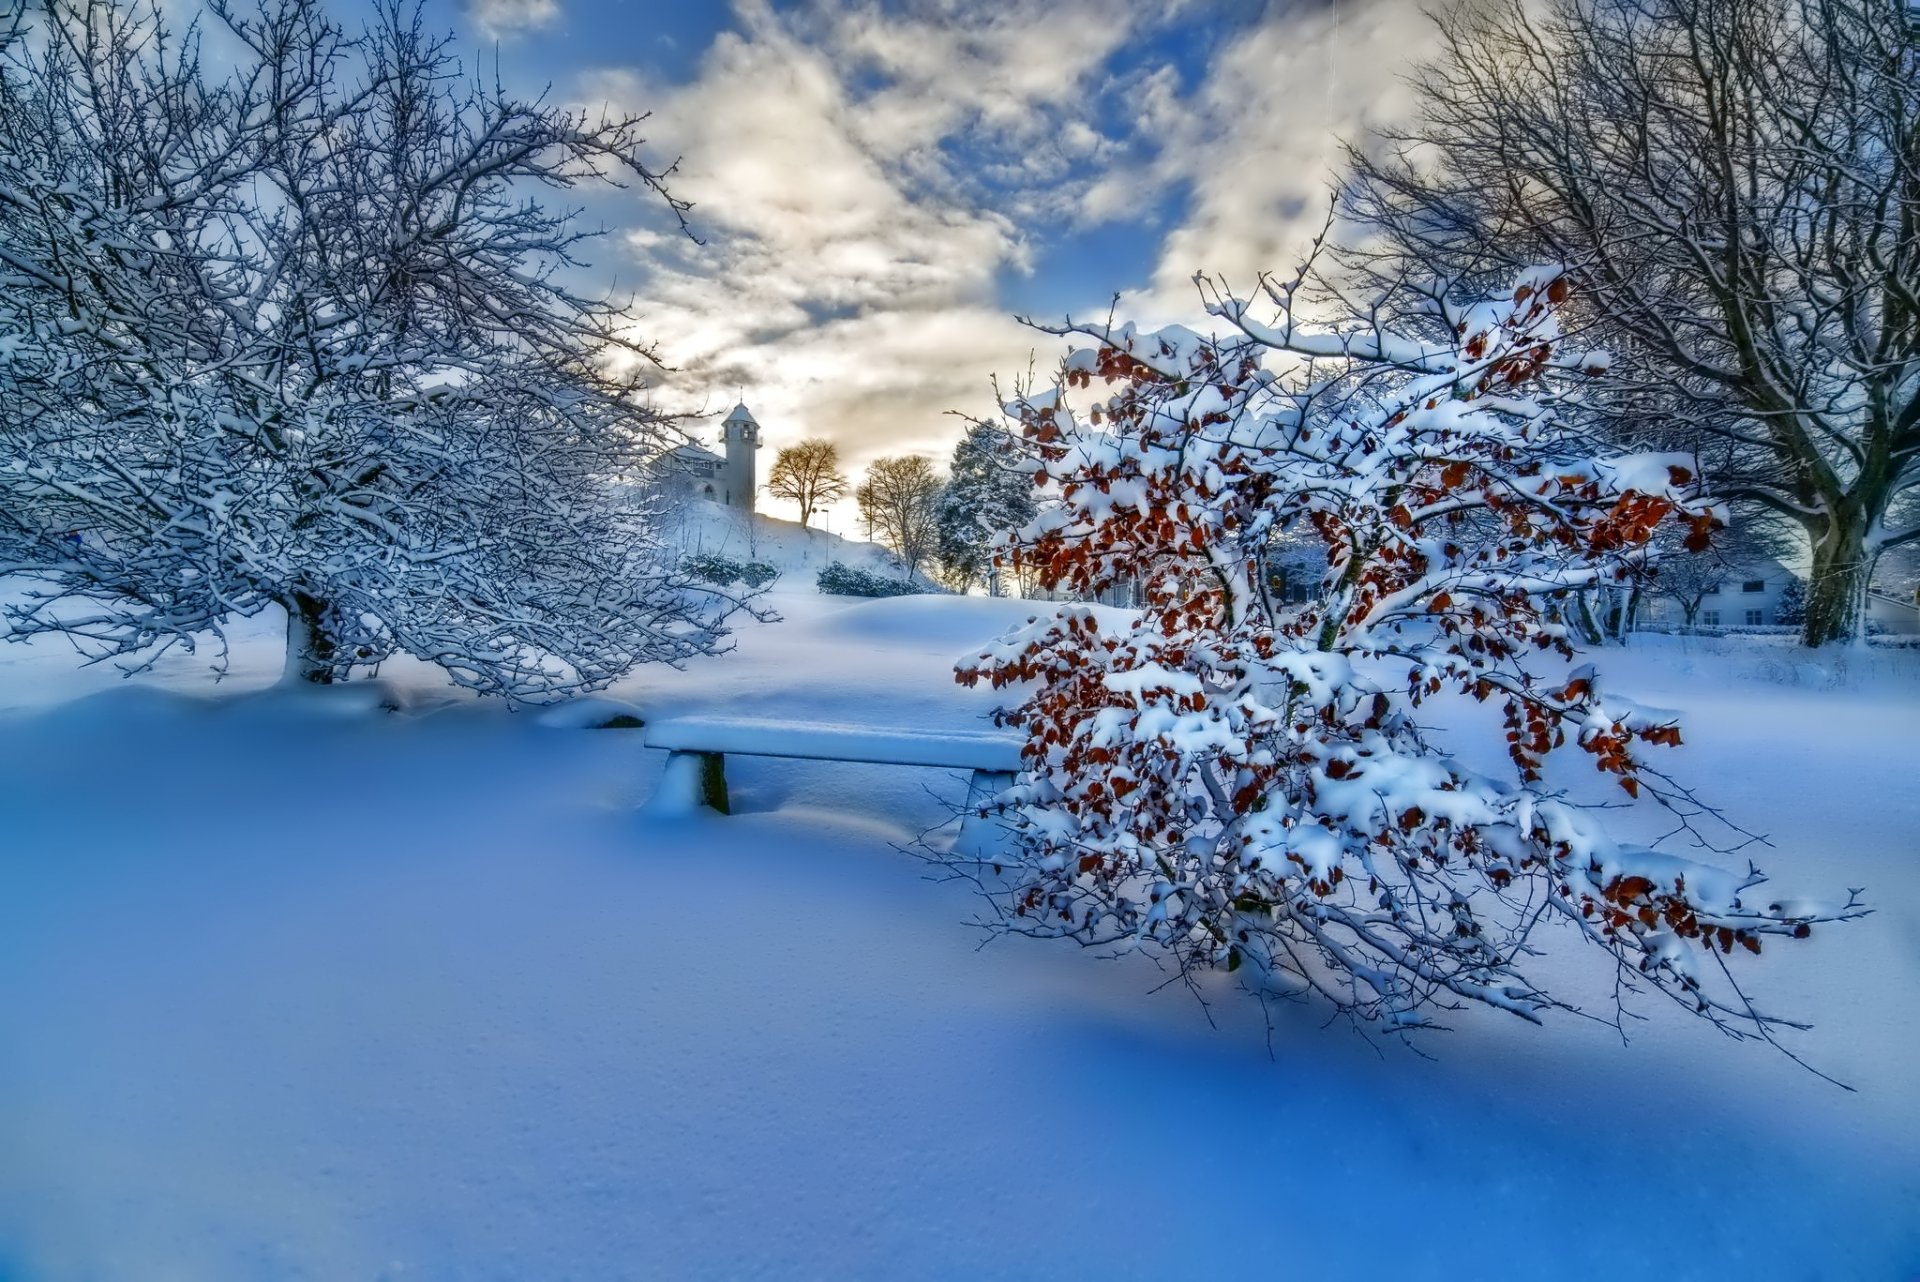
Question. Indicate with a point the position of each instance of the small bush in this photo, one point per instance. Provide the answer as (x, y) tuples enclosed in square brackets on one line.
[(724, 571), (711, 567), (844, 580)]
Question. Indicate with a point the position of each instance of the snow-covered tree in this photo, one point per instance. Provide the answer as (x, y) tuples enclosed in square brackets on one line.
[(1793, 604), (808, 474), (899, 500), (301, 335), (1236, 782), (1734, 185), (988, 495)]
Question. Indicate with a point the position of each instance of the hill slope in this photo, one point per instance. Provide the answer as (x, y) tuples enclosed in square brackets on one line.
[(798, 552)]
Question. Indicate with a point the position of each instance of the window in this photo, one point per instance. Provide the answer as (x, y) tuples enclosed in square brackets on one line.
[(1756, 617), (1754, 585), (1714, 590), (1711, 618)]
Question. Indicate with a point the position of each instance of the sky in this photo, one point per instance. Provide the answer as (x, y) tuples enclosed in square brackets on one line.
[(881, 189)]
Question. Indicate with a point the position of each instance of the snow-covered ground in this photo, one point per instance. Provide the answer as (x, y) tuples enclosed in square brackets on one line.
[(799, 552), (292, 989)]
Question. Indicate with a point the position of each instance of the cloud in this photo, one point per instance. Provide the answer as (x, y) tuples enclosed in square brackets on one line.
[(866, 178), (1255, 144), (847, 285), (504, 19)]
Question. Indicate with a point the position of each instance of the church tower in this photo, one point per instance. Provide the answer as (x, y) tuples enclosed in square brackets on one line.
[(740, 436)]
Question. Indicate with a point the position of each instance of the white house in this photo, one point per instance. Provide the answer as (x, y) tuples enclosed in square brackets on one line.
[(696, 471), (1747, 595), (1893, 614)]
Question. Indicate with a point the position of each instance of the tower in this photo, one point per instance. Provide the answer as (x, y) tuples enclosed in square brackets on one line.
[(740, 436)]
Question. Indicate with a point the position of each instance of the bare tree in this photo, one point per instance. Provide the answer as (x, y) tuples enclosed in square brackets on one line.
[(808, 474), (1734, 186), (301, 337), (900, 499)]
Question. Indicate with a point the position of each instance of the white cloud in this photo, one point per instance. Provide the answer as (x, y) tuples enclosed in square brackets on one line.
[(846, 288), (503, 19), (1255, 147), (864, 178)]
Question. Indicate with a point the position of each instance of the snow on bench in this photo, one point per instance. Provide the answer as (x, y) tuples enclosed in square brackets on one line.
[(697, 748), (813, 740)]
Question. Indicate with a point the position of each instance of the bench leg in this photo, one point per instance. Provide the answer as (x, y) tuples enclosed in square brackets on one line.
[(981, 837), (692, 781)]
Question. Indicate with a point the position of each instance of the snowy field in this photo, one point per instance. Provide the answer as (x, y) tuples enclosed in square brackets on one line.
[(293, 988)]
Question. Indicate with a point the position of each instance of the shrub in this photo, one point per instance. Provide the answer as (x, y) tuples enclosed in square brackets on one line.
[(724, 571), (712, 567), (845, 580)]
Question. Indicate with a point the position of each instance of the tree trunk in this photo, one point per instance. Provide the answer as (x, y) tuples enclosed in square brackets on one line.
[(1837, 592), (310, 646), (1614, 604), (1582, 621)]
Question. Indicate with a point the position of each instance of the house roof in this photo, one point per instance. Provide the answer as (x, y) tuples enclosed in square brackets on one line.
[(1759, 567), (695, 454)]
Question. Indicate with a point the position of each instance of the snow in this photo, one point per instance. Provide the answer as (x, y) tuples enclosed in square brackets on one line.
[(798, 552), (294, 987)]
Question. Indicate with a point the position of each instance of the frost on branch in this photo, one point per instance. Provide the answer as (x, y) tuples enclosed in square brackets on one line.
[(1246, 784)]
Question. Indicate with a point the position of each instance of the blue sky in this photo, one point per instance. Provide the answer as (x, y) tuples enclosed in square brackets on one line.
[(882, 185)]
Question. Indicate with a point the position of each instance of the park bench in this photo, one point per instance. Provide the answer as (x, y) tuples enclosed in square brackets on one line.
[(697, 748)]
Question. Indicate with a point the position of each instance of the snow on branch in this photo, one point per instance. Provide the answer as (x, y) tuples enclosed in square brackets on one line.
[(303, 335)]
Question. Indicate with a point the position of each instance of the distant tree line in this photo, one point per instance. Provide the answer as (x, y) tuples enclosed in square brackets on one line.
[(946, 525)]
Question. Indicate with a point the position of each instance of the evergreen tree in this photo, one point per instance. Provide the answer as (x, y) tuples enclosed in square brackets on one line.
[(988, 495), (1793, 604)]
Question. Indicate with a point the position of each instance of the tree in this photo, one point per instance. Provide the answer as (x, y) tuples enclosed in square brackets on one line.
[(988, 496), (808, 474), (899, 499), (1793, 604), (1241, 784), (1733, 186), (300, 336)]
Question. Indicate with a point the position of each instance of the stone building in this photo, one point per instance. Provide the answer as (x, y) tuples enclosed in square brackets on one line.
[(740, 438), (730, 478)]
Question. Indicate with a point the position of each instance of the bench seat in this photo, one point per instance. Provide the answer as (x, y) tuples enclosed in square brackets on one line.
[(817, 741), (695, 777)]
